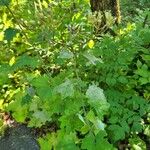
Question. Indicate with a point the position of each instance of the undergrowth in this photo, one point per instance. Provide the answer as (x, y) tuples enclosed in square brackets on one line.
[(94, 91)]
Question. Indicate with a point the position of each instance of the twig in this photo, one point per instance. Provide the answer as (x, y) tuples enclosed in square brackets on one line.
[(145, 20)]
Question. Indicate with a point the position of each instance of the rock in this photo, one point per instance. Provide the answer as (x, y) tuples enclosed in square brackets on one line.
[(19, 138)]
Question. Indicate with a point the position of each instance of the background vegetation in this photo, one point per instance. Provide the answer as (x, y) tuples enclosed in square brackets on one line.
[(78, 90)]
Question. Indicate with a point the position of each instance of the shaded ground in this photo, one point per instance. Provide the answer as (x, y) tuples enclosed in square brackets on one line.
[(19, 138)]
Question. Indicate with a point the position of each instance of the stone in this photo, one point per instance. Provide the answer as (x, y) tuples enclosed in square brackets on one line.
[(19, 138)]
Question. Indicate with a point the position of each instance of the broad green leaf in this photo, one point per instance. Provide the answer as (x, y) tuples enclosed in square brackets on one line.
[(66, 54), (146, 58), (67, 145), (20, 114), (88, 142), (4, 78), (145, 34), (70, 123), (45, 93), (26, 61), (34, 105), (123, 79), (111, 80), (97, 100), (143, 80), (42, 87), (4, 71), (41, 116), (26, 99), (19, 111), (95, 93), (10, 33), (98, 124), (113, 119), (44, 144), (66, 89), (92, 59), (137, 126), (4, 2), (41, 81), (66, 141), (142, 72), (85, 129), (118, 132), (91, 116), (102, 142)]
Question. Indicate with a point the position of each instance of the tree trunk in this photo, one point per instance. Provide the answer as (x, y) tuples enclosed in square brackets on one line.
[(103, 6)]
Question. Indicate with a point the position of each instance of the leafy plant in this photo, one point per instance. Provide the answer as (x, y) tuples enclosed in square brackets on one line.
[(55, 71)]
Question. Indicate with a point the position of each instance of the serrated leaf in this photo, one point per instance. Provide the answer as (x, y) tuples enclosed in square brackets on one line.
[(19, 112), (66, 142), (113, 119), (41, 116), (118, 132), (97, 100), (125, 126), (66, 89), (111, 81), (143, 80), (88, 142), (136, 127), (145, 34), (44, 144), (102, 142), (123, 79), (95, 93)]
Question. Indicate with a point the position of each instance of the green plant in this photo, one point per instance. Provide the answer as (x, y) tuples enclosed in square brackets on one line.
[(53, 70)]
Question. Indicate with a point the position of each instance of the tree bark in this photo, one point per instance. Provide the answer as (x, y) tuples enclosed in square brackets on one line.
[(103, 6)]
